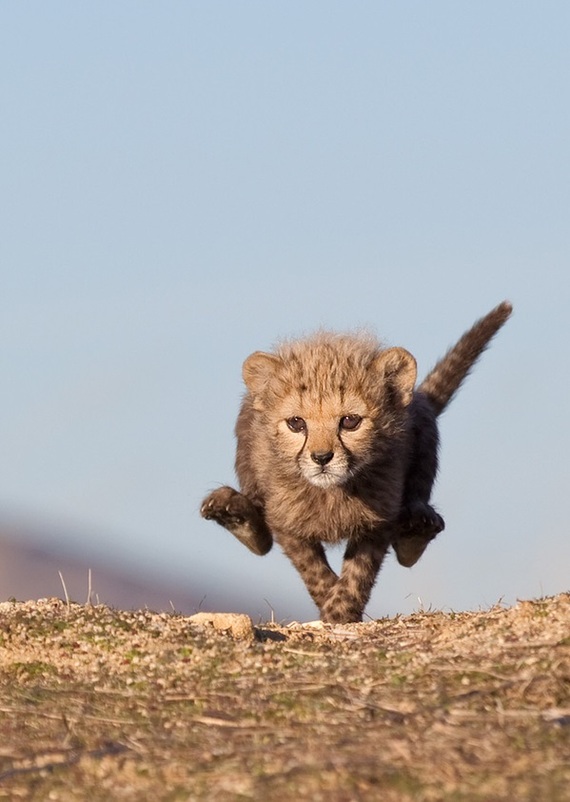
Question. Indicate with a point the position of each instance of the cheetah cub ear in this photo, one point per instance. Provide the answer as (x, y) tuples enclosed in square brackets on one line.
[(396, 369), (258, 370)]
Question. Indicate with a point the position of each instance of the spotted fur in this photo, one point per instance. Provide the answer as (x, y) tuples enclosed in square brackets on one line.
[(335, 444)]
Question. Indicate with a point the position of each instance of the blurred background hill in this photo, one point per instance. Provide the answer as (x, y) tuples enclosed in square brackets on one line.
[(33, 566)]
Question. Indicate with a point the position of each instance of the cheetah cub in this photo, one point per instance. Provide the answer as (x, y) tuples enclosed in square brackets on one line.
[(335, 443)]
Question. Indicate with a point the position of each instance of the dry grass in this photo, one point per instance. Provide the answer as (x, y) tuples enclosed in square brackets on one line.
[(101, 704)]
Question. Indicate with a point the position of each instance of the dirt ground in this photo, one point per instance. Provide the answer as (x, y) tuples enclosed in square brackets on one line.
[(100, 704)]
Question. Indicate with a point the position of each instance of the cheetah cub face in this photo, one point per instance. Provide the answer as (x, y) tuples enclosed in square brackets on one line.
[(326, 440), (327, 410)]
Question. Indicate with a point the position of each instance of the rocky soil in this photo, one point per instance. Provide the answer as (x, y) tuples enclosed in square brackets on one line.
[(102, 704)]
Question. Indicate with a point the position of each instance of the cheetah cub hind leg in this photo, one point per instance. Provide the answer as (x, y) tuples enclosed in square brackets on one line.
[(236, 513)]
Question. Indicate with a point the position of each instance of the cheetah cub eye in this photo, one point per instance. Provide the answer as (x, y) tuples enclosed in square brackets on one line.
[(296, 424), (350, 422)]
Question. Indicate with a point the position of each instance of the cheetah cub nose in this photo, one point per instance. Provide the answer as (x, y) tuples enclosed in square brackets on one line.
[(322, 457)]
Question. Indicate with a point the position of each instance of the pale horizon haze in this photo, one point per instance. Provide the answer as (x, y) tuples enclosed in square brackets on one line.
[(185, 183)]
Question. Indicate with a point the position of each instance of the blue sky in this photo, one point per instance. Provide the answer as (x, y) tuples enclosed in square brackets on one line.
[(183, 183)]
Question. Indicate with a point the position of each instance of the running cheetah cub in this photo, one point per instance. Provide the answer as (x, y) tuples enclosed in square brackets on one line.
[(335, 444)]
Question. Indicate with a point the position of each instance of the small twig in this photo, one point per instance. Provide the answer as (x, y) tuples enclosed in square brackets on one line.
[(222, 722), (88, 602), (272, 611), (551, 715), (537, 644), (68, 720), (64, 589)]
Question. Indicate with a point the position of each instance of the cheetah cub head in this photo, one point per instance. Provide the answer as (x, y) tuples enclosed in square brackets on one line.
[(330, 404)]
